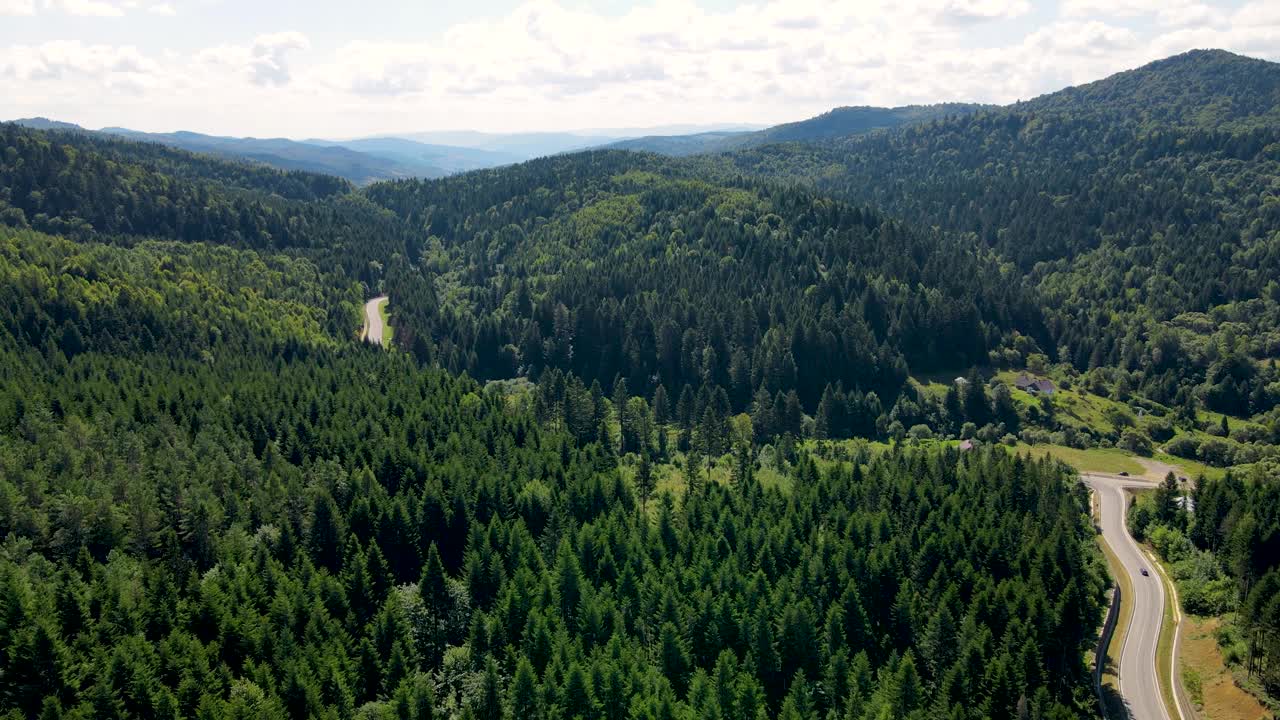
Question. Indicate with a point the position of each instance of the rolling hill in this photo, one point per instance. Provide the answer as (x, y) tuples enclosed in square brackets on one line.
[(359, 167), (1209, 89), (1145, 207), (443, 159), (628, 453), (840, 122)]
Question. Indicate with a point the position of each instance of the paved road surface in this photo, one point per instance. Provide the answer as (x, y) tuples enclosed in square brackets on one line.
[(373, 330), (1139, 684)]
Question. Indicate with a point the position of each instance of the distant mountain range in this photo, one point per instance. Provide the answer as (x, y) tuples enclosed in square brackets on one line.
[(370, 159), (1157, 96), (439, 153), (433, 159), (540, 144), (358, 166)]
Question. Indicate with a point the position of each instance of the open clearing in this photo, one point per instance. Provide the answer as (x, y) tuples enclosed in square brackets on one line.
[(1222, 698)]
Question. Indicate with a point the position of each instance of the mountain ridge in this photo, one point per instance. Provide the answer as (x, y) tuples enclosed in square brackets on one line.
[(838, 122), (1199, 88)]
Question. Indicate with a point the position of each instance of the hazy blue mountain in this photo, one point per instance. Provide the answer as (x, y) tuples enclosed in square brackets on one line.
[(525, 145), (42, 123), (539, 144), (364, 160), (840, 122), (358, 167), (667, 130), (449, 158)]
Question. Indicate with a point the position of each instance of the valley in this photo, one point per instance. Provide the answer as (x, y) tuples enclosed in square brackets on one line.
[(805, 422)]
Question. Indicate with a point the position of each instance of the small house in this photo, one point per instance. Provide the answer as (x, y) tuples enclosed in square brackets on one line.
[(1042, 387), (1035, 386), (966, 446)]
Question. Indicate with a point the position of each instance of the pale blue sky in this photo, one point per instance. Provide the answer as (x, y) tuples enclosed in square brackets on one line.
[(328, 68)]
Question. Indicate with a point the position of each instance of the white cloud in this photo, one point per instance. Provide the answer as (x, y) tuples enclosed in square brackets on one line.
[(1112, 8), (269, 65), (551, 64), (970, 11), (1082, 38), (17, 7), (65, 66), (94, 8), (1253, 29), (84, 8), (1166, 13), (796, 57), (1258, 14), (264, 62)]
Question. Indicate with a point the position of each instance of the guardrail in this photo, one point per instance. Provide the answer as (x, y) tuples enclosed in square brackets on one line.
[(1104, 641)]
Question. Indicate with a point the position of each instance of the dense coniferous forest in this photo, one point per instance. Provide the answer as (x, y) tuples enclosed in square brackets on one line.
[(238, 529), (598, 265), (1142, 208), (593, 478), (1224, 557)]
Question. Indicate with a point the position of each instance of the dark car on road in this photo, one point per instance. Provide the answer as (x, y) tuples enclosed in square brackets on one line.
[(1145, 573)]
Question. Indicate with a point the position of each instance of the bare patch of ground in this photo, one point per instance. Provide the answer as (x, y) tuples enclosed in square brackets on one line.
[(1220, 697)]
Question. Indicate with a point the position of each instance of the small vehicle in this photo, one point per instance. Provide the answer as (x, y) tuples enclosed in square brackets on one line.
[(1145, 573), (1124, 473)]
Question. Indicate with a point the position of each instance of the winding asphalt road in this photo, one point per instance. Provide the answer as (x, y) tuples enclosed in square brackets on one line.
[(373, 330), (1139, 683)]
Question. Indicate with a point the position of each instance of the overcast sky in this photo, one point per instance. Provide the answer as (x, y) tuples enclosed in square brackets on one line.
[(337, 68)]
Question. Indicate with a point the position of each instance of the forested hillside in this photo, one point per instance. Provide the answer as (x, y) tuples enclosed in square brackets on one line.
[(331, 159), (1207, 89), (87, 187), (214, 502), (1154, 247), (184, 300), (25, 148), (360, 168), (613, 266), (596, 477), (837, 123), (1225, 557)]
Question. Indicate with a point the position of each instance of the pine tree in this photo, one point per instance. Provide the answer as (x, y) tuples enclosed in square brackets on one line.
[(661, 406), (524, 692), (434, 590), (488, 704), (684, 408), (568, 582), (327, 535), (645, 481), (799, 702), (1168, 507), (822, 420), (620, 397), (575, 696), (674, 658)]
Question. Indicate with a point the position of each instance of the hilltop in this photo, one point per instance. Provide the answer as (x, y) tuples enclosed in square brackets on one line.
[(1209, 89)]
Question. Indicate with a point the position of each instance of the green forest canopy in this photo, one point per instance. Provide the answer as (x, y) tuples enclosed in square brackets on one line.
[(215, 502)]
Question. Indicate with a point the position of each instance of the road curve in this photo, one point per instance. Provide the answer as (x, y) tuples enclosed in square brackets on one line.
[(373, 330), (1139, 682)]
